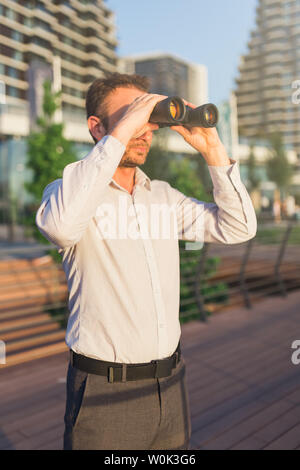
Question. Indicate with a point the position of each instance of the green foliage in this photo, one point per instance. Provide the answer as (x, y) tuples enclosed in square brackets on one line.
[(185, 179), (211, 293), (278, 168), (158, 160), (274, 235), (188, 174), (252, 176), (201, 170), (48, 152)]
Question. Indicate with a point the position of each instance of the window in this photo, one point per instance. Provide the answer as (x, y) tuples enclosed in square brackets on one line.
[(17, 36), (13, 91), (28, 22), (17, 55), (11, 14), (42, 24), (40, 42), (12, 72), (67, 40)]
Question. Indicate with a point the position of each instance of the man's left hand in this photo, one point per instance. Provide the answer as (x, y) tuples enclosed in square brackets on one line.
[(206, 141)]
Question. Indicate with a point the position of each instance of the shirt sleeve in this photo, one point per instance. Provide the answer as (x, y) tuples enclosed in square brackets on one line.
[(230, 219), (70, 202)]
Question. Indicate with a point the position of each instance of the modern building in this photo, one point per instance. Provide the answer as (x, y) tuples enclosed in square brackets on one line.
[(171, 76), (239, 148), (71, 42), (269, 72), (77, 37), (228, 126)]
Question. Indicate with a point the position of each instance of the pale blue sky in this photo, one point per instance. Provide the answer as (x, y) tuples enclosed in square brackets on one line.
[(210, 32)]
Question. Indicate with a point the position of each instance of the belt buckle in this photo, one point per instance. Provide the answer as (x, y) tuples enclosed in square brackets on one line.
[(162, 365)]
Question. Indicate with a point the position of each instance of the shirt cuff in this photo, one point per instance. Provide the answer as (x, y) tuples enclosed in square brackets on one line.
[(108, 149), (226, 177)]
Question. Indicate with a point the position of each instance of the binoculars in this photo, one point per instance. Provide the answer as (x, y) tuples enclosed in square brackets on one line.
[(174, 112)]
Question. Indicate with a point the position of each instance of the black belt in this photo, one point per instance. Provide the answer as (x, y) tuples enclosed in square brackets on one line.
[(118, 372)]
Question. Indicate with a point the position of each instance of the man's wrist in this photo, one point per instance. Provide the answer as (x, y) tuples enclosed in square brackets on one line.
[(217, 156), (121, 133)]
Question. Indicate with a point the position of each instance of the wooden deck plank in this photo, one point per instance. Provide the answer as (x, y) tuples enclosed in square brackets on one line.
[(43, 438), (234, 339), (40, 421), (294, 397), (215, 397), (250, 443), (14, 416), (8, 440), (35, 378), (210, 418), (250, 378), (243, 388), (243, 366), (288, 441), (239, 321), (279, 426), (226, 438)]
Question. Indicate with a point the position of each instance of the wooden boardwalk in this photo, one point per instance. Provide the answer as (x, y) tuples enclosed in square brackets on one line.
[(244, 390)]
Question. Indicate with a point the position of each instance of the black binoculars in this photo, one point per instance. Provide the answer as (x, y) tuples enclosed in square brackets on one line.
[(174, 112)]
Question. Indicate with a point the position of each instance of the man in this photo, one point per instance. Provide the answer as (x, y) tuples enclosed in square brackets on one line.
[(126, 379)]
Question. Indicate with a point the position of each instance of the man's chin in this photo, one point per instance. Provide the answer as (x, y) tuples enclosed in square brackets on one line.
[(129, 164), (135, 161)]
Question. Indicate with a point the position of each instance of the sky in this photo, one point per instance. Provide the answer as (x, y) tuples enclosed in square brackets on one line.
[(210, 32)]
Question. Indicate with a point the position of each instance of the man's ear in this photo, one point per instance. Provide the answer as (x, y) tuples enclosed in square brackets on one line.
[(96, 128)]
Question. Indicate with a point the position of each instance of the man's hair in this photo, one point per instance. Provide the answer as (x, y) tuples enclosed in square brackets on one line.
[(102, 87)]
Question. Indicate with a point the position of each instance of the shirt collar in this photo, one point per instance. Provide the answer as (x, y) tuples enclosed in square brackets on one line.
[(141, 179)]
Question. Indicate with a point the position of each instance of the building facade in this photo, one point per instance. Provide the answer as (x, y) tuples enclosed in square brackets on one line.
[(71, 42), (227, 126), (269, 73), (75, 39), (170, 75)]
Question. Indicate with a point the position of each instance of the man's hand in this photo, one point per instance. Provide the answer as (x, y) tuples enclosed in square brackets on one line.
[(134, 121), (206, 141)]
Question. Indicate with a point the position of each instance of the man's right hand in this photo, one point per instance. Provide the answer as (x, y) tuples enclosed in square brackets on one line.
[(135, 120)]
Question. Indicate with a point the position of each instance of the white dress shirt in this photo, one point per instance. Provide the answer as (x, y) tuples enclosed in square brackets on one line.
[(124, 285)]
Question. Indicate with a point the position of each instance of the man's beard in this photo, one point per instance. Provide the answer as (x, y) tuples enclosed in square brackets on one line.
[(132, 157)]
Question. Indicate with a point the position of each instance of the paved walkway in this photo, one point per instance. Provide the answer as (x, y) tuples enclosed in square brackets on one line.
[(244, 390)]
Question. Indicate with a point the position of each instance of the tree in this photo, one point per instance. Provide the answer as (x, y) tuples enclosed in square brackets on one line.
[(278, 167), (185, 173), (201, 170), (48, 153), (159, 158), (252, 176), (183, 177)]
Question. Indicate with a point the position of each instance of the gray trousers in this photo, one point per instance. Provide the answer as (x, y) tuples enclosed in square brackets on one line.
[(143, 414)]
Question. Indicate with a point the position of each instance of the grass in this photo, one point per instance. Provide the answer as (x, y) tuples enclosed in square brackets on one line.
[(274, 235)]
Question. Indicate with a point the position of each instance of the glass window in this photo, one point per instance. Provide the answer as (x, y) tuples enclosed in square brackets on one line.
[(11, 14), (12, 72), (28, 21), (42, 24), (17, 36), (17, 55), (13, 91)]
